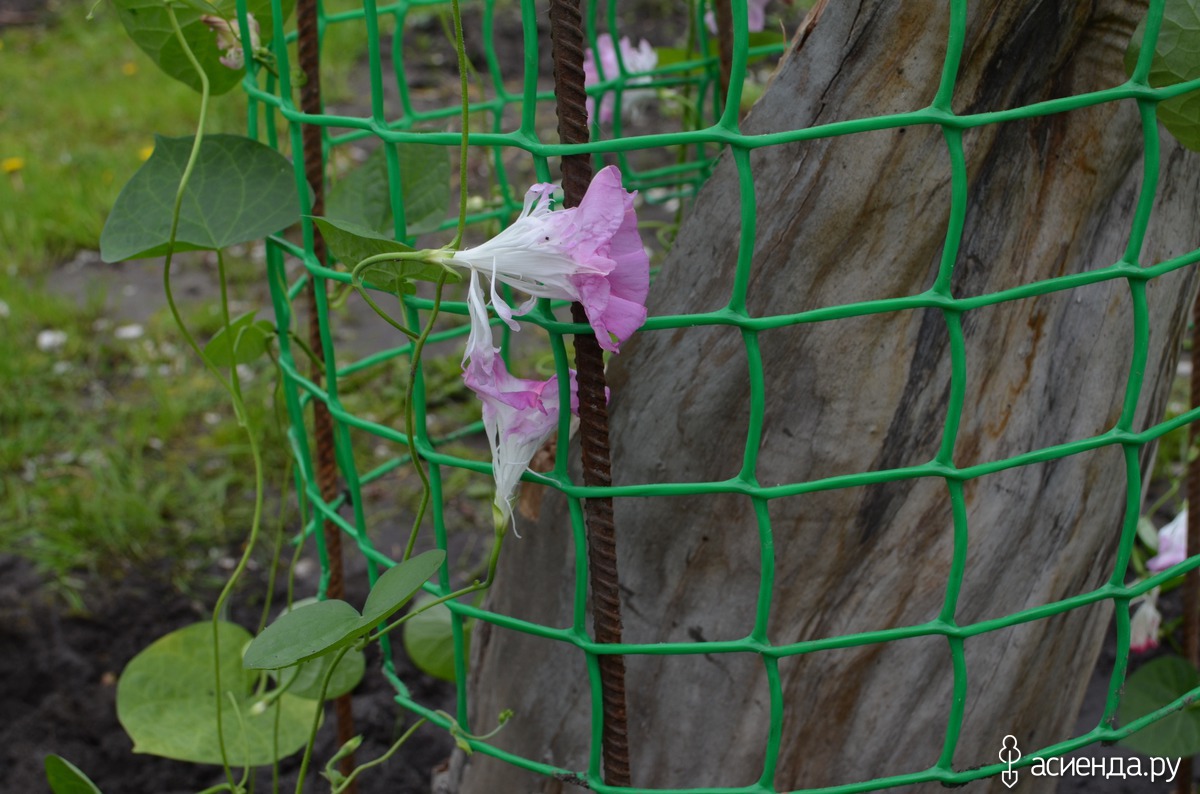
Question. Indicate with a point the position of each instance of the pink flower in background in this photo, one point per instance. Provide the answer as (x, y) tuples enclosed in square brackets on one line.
[(592, 254), (756, 12), (1144, 625), (229, 39), (1172, 544), (643, 58)]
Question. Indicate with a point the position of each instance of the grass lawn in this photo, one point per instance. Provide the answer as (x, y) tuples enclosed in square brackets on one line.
[(116, 449)]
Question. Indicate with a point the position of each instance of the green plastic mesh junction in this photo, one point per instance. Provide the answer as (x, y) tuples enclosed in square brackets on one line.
[(511, 106)]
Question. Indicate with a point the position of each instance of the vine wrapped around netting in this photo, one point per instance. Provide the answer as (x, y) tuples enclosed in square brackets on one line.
[(513, 144)]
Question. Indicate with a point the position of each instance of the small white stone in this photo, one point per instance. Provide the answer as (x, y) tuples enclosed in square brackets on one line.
[(131, 331), (51, 340)]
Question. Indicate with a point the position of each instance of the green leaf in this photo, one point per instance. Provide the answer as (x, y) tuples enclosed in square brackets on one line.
[(304, 634), (147, 23), (361, 196), (1176, 60), (396, 586), (425, 176), (315, 629), (65, 778), (352, 243), (239, 190), (165, 702), (429, 639), (1152, 686), (362, 199), (248, 340), (310, 675)]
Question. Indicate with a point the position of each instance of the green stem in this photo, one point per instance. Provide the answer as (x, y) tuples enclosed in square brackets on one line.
[(234, 392), (277, 548), (357, 279), (312, 733), (410, 416), (461, 49), (317, 363), (381, 759)]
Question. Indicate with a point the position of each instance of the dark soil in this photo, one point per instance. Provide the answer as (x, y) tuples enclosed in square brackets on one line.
[(58, 676)]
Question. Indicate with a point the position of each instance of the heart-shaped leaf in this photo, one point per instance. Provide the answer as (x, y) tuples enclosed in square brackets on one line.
[(429, 639), (314, 629), (352, 243), (248, 340), (1152, 686), (165, 702), (362, 196), (148, 24), (66, 778), (1175, 61), (304, 634), (400, 583), (239, 190)]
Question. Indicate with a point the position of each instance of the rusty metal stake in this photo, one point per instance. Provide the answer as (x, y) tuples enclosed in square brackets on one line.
[(308, 46), (1191, 580), (724, 17), (566, 33)]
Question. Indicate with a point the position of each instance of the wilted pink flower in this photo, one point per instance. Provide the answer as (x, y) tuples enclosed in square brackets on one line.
[(1172, 544), (518, 414), (756, 13), (641, 59), (592, 254), (1144, 625), (229, 39)]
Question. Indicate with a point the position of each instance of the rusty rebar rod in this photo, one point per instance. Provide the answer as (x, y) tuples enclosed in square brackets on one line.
[(723, 14), (566, 33), (309, 50)]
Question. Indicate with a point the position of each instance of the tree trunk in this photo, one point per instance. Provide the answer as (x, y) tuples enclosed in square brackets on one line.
[(841, 220)]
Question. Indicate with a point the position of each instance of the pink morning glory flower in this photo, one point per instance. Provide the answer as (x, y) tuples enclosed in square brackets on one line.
[(1145, 623), (642, 58), (229, 39), (756, 13), (592, 254), (1172, 544), (518, 414)]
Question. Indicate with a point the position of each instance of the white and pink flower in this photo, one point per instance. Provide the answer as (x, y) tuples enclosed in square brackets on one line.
[(592, 254), (1172, 544), (756, 13), (1145, 624), (602, 64)]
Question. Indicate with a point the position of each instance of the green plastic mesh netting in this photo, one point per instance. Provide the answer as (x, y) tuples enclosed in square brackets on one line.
[(513, 143)]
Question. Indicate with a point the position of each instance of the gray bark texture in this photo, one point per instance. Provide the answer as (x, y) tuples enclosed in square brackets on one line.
[(841, 220)]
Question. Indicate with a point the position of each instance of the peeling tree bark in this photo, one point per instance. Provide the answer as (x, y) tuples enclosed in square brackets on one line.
[(842, 220)]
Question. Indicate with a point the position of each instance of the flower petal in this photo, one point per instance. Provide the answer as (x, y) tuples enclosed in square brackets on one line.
[(1172, 544)]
